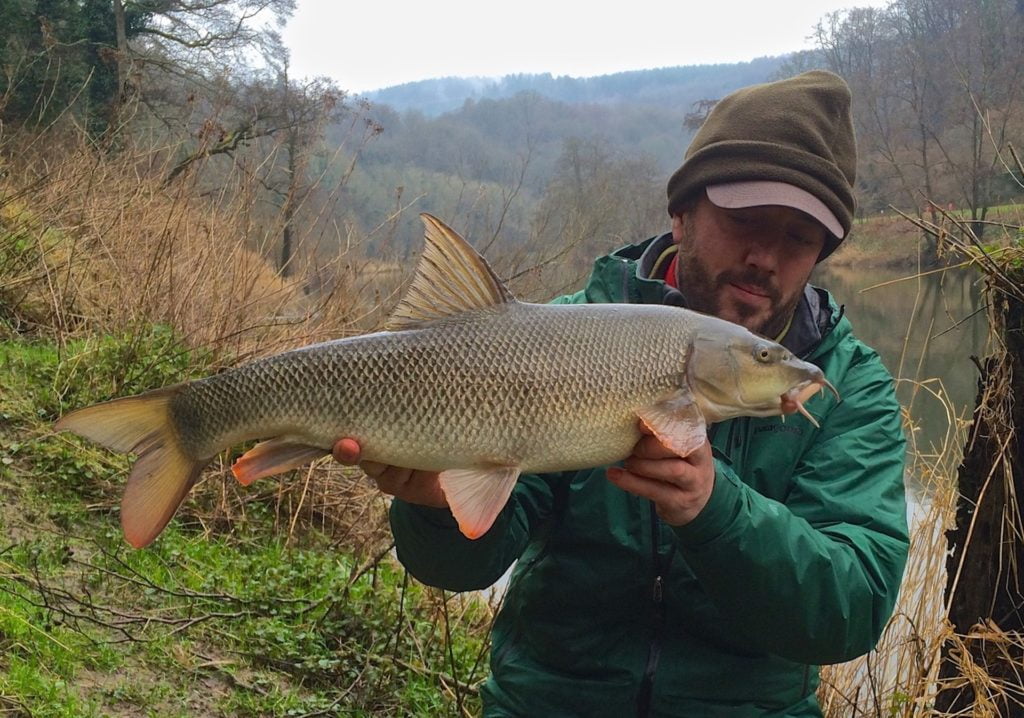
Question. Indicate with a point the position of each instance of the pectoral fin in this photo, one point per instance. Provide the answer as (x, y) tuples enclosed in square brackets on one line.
[(273, 457), (477, 496), (677, 422)]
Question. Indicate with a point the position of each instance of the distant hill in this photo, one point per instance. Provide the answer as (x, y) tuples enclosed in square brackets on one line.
[(674, 88), (481, 149)]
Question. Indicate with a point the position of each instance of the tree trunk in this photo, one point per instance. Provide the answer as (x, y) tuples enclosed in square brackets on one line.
[(122, 52), (286, 242), (984, 589), (290, 200)]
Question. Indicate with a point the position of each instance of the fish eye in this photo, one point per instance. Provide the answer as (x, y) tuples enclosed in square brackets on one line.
[(762, 353)]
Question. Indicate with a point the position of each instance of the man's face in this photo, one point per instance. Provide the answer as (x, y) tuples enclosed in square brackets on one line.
[(748, 266)]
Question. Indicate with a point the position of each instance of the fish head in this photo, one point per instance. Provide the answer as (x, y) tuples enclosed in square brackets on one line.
[(733, 372)]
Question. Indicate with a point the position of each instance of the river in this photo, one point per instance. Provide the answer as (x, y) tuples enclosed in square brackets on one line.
[(926, 328)]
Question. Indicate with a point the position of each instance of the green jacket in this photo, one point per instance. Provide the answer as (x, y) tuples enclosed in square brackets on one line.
[(795, 561)]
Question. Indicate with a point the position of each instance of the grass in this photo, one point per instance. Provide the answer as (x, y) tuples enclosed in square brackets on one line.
[(250, 621)]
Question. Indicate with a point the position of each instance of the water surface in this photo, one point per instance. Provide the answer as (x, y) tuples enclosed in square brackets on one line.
[(926, 329)]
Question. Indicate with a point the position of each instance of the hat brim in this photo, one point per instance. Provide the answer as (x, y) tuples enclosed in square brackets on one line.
[(736, 195)]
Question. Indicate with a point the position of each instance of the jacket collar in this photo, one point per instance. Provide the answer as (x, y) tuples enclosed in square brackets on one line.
[(625, 276)]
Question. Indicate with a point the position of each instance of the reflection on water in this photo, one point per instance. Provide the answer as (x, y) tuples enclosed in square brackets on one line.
[(925, 328)]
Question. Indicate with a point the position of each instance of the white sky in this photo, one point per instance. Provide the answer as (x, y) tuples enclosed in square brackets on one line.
[(369, 44)]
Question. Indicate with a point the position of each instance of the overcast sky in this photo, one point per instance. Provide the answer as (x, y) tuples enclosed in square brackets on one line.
[(369, 44)]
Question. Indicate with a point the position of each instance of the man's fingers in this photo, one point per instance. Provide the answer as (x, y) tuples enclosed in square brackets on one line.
[(677, 502), (375, 470), (639, 486), (346, 451), (667, 470), (417, 487)]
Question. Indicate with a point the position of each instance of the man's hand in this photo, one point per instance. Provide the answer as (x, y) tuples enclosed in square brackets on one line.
[(679, 486), (414, 487)]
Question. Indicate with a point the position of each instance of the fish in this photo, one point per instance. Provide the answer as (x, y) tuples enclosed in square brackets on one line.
[(464, 380)]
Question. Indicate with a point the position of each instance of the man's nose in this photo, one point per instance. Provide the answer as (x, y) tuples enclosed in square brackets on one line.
[(763, 252)]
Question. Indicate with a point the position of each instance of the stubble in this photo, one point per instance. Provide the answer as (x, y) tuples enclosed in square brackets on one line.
[(703, 291)]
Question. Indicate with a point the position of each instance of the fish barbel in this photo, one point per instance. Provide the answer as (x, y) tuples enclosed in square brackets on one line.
[(465, 381)]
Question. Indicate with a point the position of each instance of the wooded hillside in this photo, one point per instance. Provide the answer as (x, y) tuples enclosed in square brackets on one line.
[(542, 160)]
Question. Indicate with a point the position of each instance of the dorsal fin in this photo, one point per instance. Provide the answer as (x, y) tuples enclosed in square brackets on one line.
[(451, 278)]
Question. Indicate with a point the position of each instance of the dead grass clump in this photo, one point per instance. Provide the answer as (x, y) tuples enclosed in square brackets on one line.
[(898, 678), (97, 243), (91, 243), (339, 503)]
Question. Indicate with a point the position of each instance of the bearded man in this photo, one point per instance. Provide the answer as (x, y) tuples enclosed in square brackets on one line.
[(713, 584)]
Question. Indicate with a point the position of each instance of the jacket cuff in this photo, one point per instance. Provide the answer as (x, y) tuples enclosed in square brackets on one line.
[(719, 512), (437, 518)]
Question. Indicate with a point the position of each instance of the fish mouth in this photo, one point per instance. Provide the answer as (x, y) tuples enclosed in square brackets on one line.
[(804, 391)]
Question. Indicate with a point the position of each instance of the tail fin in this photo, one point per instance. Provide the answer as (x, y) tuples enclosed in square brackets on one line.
[(163, 473)]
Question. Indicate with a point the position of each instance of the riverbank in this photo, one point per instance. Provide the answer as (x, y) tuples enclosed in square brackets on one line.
[(275, 600), (890, 240), (279, 599)]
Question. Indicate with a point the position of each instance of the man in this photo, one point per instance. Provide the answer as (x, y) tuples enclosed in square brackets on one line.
[(710, 585)]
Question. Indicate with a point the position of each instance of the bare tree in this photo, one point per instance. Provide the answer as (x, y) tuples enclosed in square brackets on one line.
[(598, 199), (936, 88), (170, 50)]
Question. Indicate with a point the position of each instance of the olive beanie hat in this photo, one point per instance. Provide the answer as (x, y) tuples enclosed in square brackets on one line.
[(797, 131)]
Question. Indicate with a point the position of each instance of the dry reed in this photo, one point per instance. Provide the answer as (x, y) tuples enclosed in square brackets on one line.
[(114, 248), (899, 677), (94, 242), (922, 658)]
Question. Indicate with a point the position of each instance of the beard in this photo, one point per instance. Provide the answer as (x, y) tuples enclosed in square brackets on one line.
[(703, 291)]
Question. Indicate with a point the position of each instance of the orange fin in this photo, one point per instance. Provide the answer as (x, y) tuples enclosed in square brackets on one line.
[(451, 278), (677, 422), (164, 471), (273, 457), (477, 496)]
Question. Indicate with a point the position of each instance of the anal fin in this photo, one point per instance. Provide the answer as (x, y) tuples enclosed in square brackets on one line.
[(477, 496), (273, 457)]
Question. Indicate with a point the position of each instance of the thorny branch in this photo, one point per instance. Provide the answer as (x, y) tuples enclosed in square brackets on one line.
[(966, 242), (75, 607)]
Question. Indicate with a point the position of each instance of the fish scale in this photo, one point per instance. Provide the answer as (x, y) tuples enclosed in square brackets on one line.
[(491, 387)]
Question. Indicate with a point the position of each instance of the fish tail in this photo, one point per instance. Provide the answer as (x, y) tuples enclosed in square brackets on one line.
[(164, 471)]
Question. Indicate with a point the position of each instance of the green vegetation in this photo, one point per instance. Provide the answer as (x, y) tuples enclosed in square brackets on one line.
[(253, 621), (160, 220)]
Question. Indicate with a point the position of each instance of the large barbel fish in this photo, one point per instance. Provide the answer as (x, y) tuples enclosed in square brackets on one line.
[(465, 381)]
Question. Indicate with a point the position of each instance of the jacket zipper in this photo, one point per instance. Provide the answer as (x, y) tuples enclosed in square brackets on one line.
[(644, 695), (806, 355)]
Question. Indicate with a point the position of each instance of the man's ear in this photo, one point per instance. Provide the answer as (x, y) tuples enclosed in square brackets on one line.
[(677, 228)]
